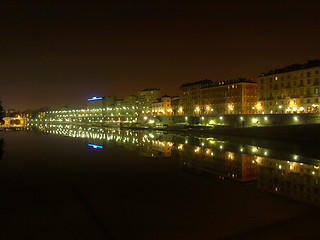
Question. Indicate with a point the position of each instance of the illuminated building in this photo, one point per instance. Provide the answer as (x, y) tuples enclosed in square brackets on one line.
[(110, 101), (189, 94), (130, 101), (162, 106), (146, 98), (228, 97), (292, 89), (96, 102), (175, 105)]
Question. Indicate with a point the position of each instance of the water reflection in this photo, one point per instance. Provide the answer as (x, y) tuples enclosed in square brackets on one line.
[(1, 148), (282, 173)]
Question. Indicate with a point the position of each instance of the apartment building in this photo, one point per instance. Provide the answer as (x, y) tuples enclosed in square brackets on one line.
[(292, 89)]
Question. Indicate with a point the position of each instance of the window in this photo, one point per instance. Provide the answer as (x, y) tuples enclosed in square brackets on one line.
[(294, 83), (316, 91), (281, 84), (270, 86), (316, 72), (309, 81), (270, 80), (261, 81), (308, 100), (317, 100), (308, 74), (308, 91)]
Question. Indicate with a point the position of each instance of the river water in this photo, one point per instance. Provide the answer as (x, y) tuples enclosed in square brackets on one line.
[(81, 182)]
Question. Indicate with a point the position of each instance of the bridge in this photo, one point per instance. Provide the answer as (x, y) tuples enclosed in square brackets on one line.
[(13, 122)]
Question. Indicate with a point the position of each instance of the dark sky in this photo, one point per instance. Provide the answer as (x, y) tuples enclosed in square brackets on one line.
[(62, 52)]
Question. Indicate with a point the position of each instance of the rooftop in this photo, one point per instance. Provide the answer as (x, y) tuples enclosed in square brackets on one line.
[(293, 67), (150, 89), (205, 81), (231, 81)]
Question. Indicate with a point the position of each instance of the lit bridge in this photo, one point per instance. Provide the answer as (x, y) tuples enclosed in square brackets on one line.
[(13, 122)]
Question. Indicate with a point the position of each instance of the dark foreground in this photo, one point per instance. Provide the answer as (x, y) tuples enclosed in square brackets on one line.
[(53, 187)]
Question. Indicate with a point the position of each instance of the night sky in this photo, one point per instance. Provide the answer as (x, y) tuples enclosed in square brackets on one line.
[(62, 52)]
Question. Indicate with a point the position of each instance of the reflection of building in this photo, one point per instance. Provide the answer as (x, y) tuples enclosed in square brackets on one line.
[(229, 97), (189, 94), (163, 147), (241, 167), (290, 179), (146, 98), (162, 106), (290, 89)]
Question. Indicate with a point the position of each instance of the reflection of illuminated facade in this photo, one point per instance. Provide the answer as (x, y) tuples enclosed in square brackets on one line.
[(163, 147), (238, 166), (225, 159), (295, 180)]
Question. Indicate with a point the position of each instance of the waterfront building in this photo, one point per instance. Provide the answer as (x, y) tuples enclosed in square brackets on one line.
[(130, 102), (162, 106), (96, 102), (175, 105), (119, 103), (146, 98), (292, 89), (110, 101), (236, 96), (189, 94)]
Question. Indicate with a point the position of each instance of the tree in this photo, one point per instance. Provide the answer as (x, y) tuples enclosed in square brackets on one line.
[(1, 114)]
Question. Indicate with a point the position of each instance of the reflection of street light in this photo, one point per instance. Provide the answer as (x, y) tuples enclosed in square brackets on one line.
[(145, 118)]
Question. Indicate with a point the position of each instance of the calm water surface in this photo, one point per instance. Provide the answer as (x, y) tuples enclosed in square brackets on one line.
[(76, 182)]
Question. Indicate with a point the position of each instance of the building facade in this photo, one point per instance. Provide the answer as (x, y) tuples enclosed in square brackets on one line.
[(96, 102), (162, 106), (237, 96), (292, 89), (146, 98), (190, 96)]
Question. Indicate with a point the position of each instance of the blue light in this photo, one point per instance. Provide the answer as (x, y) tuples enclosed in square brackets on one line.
[(94, 98), (94, 146)]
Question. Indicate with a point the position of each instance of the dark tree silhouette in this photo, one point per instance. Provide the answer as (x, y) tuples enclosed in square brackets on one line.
[(1, 114)]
